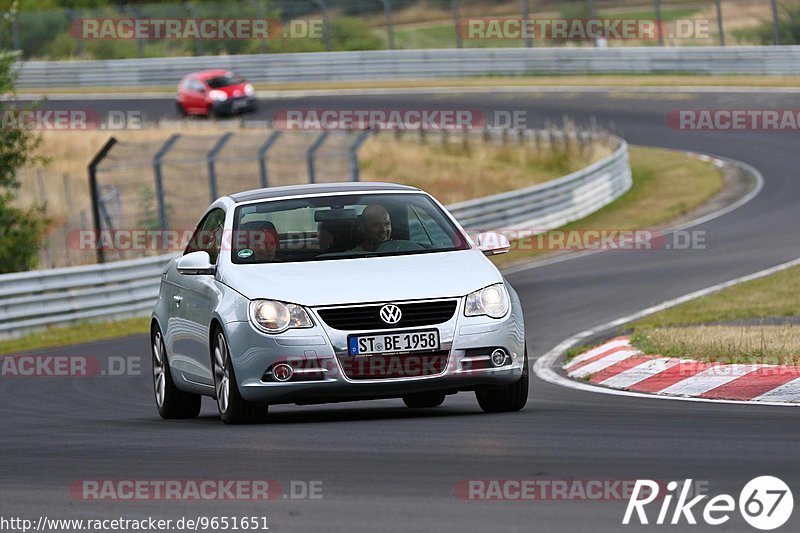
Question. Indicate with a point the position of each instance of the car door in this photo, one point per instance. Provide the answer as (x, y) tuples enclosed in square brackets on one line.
[(196, 97), (195, 299)]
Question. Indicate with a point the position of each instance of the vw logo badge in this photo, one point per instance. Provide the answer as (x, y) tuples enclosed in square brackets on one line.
[(390, 314)]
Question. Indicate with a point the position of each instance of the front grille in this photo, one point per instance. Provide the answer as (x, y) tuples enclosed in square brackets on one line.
[(412, 365), (367, 317)]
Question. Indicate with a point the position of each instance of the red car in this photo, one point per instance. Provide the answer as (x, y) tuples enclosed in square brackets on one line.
[(214, 92)]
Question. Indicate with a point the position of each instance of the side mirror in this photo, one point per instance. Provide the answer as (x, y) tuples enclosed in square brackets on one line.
[(195, 264), (492, 243)]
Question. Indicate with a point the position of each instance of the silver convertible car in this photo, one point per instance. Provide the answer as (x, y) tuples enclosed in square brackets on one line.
[(326, 293)]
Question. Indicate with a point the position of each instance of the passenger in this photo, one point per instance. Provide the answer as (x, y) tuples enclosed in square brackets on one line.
[(261, 238)]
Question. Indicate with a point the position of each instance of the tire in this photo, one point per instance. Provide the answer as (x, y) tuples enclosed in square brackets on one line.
[(233, 409), (180, 109), (506, 399), (172, 403), (422, 400)]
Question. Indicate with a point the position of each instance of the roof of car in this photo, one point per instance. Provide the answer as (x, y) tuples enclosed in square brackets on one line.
[(317, 189), (206, 74)]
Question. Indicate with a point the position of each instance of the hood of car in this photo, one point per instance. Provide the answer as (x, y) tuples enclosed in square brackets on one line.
[(233, 91), (374, 279)]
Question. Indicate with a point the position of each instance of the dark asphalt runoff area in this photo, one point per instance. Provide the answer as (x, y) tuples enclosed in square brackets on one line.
[(384, 467)]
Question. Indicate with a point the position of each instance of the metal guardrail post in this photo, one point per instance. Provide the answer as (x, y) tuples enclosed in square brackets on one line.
[(262, 157), (592, 16), (353, 150), (310, 155), (659, 22), (456, 22), (262, 48), (326, 23), (93, 189), (387, 14), (776, 22), (73, 17), (15, 33), (134, 12), (198, 43), (157, 159), (526, 14), (211, 158), (719, 23)]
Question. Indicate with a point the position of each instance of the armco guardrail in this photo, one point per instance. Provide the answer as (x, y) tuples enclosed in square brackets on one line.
[(32, 300), (551, 204), (415, 64)]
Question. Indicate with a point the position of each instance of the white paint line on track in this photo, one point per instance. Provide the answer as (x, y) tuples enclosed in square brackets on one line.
[(784, 393), (708, 379), (597, 351), (605, 362), (641, 372), (543, 368)]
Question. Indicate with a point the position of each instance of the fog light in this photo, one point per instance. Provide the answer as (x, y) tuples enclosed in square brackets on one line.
[(499, 357), (282, 372)]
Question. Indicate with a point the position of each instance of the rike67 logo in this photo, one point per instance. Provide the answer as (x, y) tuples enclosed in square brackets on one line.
[(765, 503)]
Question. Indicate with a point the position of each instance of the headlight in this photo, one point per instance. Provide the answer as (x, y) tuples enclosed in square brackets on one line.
[(248, 89), (218, 96), (274, 317), (491, 301)]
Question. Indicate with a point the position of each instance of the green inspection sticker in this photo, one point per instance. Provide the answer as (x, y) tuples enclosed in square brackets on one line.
[(244, 254)]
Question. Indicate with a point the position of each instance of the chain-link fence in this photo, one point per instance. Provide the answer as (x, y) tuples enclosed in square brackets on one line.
[(275, 26), (144, 189), (148, 186), (165, 183)]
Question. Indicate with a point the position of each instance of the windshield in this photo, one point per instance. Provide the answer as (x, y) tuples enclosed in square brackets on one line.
[(341, 227), (227, 80)]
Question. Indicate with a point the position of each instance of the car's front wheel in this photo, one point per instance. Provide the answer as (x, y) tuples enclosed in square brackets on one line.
[(421, 400), (233, 409), (170, 400), (506, 399)]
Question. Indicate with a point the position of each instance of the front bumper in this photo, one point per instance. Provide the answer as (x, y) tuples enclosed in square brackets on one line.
[(232, 106), (254, 353)]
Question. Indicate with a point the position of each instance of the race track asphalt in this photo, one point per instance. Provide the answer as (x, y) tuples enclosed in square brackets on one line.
[(387, 468)]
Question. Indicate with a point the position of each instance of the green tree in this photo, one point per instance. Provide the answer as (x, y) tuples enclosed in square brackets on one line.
[(20, 229)]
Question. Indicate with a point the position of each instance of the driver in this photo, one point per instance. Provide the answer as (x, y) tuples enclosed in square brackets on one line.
[(375, 226)]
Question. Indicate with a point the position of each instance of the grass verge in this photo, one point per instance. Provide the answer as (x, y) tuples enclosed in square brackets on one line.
[(75, 334), (454, 170), (666, 185), (746, 323)]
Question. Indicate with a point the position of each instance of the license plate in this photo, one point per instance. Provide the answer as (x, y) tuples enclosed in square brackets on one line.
[(238, 104), (395, 342)]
